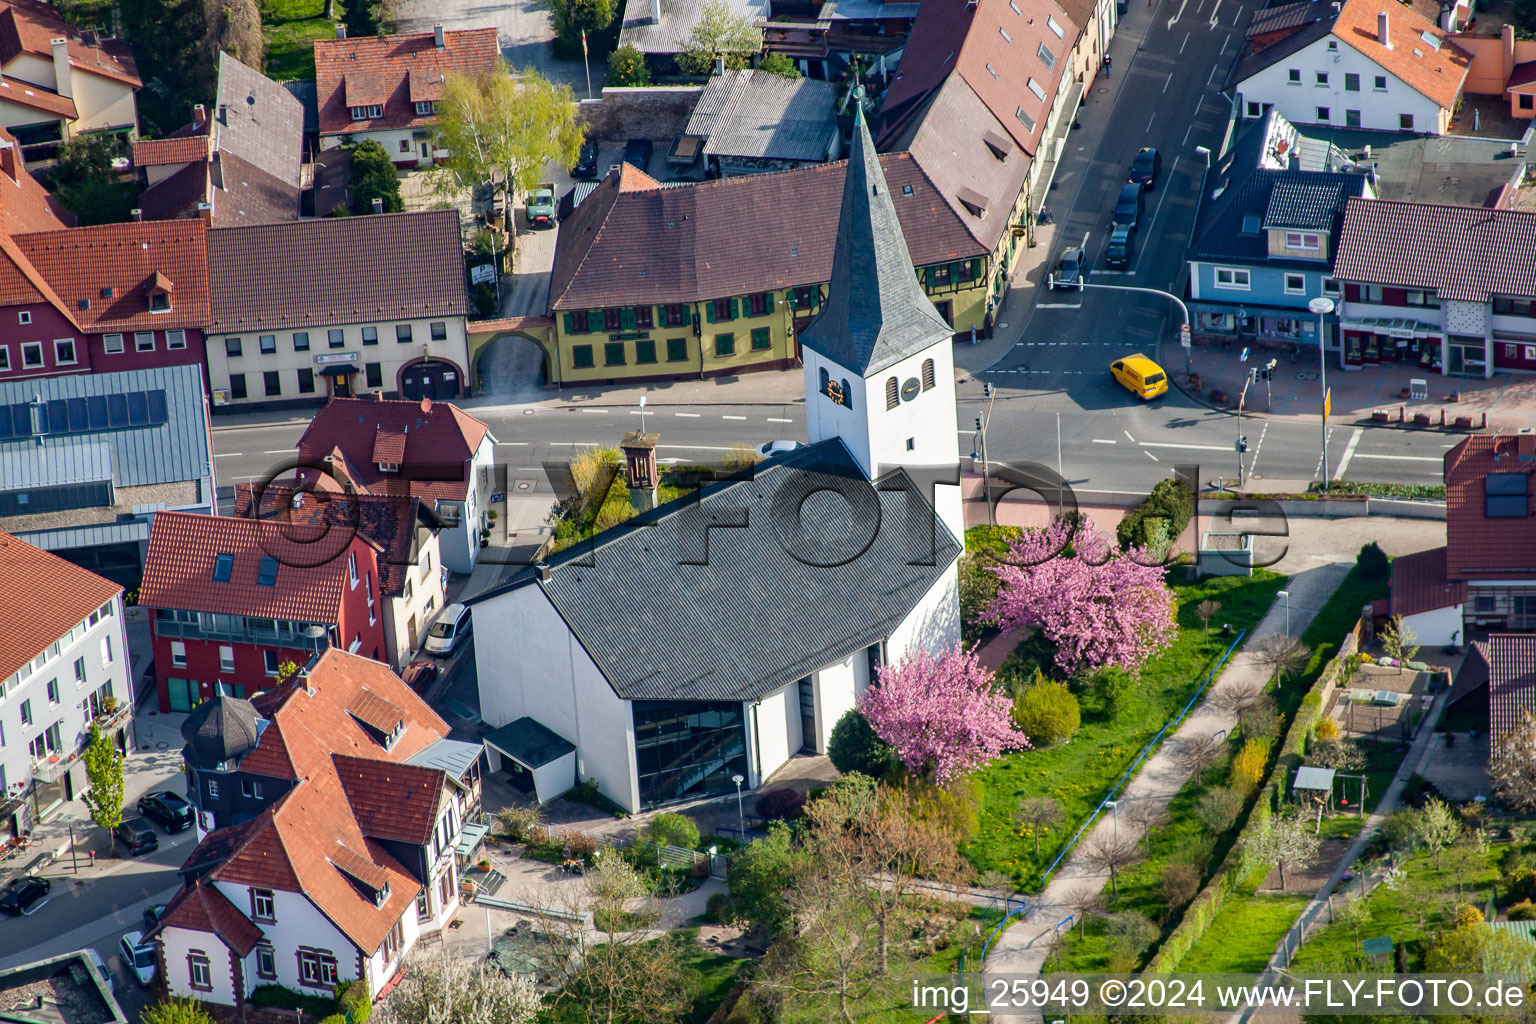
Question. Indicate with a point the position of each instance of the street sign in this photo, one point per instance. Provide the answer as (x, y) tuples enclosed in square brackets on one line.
[(1327, 405), (1184, 336), (482, 274)]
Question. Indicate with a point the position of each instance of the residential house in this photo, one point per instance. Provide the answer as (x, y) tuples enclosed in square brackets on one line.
[(822, 36), (103, 299), (1264, 238), (336, 307), (234, 599), (1498, 679), (429, 450), (748, 649), (662, 29), (244, 165), (751, 121), (1453, 286), (402, 527), (63, 665), (654, 282), (57, 81), (25, 206), (1363, 64), (86, 460), (1485, 576), (387, 88), (335, 847), (981, 102)]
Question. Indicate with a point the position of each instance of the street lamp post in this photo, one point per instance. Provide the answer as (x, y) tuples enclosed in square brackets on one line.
[(1285, 595), (1322, 306), (741, 818), (1183, 309), (979, 447), (1114, 812)]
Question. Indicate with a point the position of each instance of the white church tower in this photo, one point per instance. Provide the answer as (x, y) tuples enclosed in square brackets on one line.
[(879, 359)]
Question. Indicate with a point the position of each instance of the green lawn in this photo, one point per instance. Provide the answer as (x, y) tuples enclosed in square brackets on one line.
[(1079, 772), (292, 26), (1244, 934)]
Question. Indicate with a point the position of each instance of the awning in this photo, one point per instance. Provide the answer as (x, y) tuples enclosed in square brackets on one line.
[(529, 743), (470, 838), (338, 369), (1395, 327)]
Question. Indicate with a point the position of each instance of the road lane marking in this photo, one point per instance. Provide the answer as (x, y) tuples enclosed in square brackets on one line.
[(733, 417), (1057, 305), (1400, 458), (594, 410), (1187, 132), (1167, 83), (1253, 467), (227, 455), (1180, 13), (1150, 120), (1104, 440), (511, 444), (1186, 447), (1188, 34), (280, 451), (1214, 19), (688, 415), (1349, 453), (778, 419), (1149, 455), (1128, 436)]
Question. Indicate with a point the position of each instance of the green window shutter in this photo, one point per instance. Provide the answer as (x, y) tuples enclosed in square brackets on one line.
[(769, 297), (735, 309), (661, 316), (709, 312), (570, 324), (596, 322), (981, 267), (789, 298), (627, 318), (954, 273)]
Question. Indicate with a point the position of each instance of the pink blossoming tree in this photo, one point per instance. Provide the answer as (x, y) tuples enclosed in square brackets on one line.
[(1099, 605), (941, 714)]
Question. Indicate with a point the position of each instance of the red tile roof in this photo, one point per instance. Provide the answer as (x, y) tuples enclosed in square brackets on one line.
[(440, 439), (1478, 547), (633, 242), (82, 264), (1436, 71), (1419, 583), (183, 149), (1512, 680), (184, 546), (177, 194), (20, 281), (1460, 252), (42, 597), (24, 204), (203, 908), (391, 801), (389, 446), (27, 26), (14, 90), (375, 712), (379, 70)]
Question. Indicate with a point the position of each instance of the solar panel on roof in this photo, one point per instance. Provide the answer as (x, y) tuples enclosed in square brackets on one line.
[(117, 411), (96, 412), (21, 420), (78, 417), (157, 407), (58, 416), (138, 409), (1505, 495)]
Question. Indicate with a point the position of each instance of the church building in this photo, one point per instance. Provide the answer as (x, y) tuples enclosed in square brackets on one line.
[(721, 634)]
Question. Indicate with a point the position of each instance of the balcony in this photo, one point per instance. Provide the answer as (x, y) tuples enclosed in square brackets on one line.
[(111, 721), (284, 634), (51, 768)]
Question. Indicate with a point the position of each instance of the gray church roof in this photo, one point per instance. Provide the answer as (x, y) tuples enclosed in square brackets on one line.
[(679, 604), (876, 313)]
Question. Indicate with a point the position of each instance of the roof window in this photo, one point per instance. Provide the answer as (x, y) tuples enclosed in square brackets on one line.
[(1055, 26), (1004, 33), (268, 573), (223, 565), (1036, 88)]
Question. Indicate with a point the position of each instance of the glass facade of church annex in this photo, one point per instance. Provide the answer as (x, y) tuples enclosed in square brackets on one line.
[(688, 748)]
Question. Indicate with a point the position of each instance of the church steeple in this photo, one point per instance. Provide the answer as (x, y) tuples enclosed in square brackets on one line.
[(876, 313)]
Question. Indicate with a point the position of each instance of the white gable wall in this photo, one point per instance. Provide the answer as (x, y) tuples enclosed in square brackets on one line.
[(1379, 109), (176, 947), (934, 624), (838, 686), (529, 663), (296, 922), (777, 723)]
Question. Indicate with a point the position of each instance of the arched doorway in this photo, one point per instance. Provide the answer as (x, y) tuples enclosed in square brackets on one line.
[(509, 365), (437, 379)]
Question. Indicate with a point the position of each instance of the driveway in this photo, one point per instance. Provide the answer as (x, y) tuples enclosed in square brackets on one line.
[(522, 26)]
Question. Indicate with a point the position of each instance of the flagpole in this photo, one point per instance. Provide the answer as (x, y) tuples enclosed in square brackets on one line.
[(585, 63)]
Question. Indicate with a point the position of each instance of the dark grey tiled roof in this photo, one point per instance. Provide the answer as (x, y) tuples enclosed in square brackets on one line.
[(1306, 200), (876, 313), (530, 742), (754, 617), (1460, 252), (758, 114)]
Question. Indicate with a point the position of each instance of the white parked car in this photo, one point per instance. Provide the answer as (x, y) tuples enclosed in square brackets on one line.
[(139, 958), (452, 626), (772, 448)]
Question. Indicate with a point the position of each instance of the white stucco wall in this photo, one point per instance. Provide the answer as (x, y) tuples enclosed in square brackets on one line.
[(778, 728), (381, 968), (1435, 628), (529, 663), (1379, 109), (102, 103), (935, 623), (297, 922), (391, 141), (425, 601), (175, 946)]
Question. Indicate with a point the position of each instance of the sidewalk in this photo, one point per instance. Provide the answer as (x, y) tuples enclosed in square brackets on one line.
[(1024, 947)]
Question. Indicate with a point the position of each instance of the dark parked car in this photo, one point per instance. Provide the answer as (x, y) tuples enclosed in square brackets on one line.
[(586, 162), (1072, 271), (152, 915), (419, 675), (22, 895), (1128, 207), (168, 810), (1146, 168), (1121, 248), (638, 152), (137, 836)]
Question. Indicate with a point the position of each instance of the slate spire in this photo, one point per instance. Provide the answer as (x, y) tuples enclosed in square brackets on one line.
[(876, 313)]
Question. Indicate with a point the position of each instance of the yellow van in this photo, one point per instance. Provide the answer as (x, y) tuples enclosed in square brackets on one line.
[(1140, 376)]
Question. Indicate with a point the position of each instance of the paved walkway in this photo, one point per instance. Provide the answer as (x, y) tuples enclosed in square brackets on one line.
[(1023, 948)]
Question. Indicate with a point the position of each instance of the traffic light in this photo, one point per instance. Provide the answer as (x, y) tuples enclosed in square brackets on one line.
[(978, 422), (986, 389), (1242, 442)]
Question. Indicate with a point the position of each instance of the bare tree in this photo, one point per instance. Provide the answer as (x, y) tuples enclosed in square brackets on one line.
[(1180, 883), (1197, 753), (1281, 654), (1219, 807), (1513, 764), (833, 954), (1280, 840), (1238, 697), (440, 988), (1110, 853), (1207, 610), (1141, 816), (1037, 814), (1086, 900)]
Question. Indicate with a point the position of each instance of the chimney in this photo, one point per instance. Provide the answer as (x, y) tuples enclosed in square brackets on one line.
[(640, 462), (341, 31), (8, 160), (216, 170), (135, 215), (543, 568), (1527, 444), (199, 115), (1507, 49), (378, 205), (65, 85), (655, 12), (1381, 30), (719, 65), (223, 113), (437, 36)]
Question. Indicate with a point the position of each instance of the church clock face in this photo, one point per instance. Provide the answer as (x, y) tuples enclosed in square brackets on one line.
[(910, 389)]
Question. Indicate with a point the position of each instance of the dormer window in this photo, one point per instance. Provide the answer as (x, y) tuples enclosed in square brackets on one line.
[(426, 107), (159, 288), (159, 302), (389, 467), (363, 113)]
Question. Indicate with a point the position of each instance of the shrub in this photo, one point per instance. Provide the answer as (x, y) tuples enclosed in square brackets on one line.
[(1525, 910), (717, 909), (335, 1018), (374, 177), (1467, 914), (1522, 883), (1047, 712), (352, 1000), (1326, 731), (1158, 520), (176, 1010), (627, 68), (854, 747), (1373, 562), (780, 804), (1248, 766), (1114, 688), (778, 64), (484, 298), (978, 588), (1179, 884), (673, 829), (518, 823), (1219, 807), (581, 845)]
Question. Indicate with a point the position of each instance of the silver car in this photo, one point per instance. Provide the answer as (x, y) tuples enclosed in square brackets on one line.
[(138, 957)]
